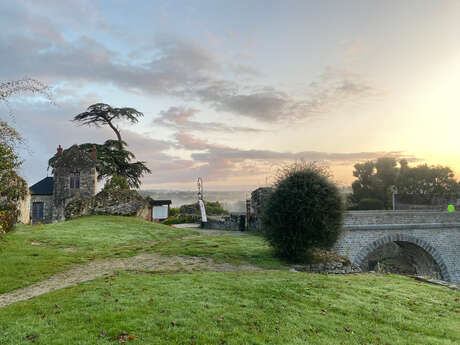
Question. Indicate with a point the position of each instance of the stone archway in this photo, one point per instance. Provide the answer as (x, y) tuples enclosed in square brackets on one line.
[(402, 239)]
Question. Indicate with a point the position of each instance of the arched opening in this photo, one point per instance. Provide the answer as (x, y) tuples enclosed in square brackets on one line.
[(402, 258), (402, 254)]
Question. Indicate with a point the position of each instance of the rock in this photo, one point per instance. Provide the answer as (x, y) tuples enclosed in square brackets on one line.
[(119, 203), (327, 268)]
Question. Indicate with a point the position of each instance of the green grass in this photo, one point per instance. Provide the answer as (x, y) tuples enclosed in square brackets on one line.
[(233, 249), (263, 307), (102, 233), (88, 238), (270, 307)]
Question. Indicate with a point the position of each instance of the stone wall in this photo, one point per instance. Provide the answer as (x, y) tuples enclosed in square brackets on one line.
[(24, 209), (47, 206), (117, 203), (63, 194), (399, 217), (430, 239), (227, 222), (71, 161), (259, 199), (338, 267)]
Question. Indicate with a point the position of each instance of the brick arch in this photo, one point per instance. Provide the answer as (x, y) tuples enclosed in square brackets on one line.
[(364, 252)]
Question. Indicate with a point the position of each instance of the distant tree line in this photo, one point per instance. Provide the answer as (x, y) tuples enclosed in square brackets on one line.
[(420, 185)]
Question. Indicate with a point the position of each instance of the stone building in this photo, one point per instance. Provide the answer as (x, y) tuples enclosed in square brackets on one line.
[(259, 199), (41, 201), (75, 176)]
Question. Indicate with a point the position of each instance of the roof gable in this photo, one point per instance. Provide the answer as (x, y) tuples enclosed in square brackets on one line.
[(43, 187)]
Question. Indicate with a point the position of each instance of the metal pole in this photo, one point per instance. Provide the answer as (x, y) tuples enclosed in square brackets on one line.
[(395, 191)]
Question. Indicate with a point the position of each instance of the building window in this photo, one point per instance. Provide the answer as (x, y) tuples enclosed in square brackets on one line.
[(75, 180)]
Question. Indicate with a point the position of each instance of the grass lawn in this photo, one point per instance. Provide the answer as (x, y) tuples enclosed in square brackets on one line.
[(253, 307), (233, 249), (61, 245), (268, 307)]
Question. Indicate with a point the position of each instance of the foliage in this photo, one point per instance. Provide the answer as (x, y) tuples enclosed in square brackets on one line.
[(173, 211), (100, 114), (116, 183), (213, 208), (13, 188), (113, 161), (304, 211), (113, 158), (426, 185), (14, 87), (422, 184), (374, 180), (9, 140), (7, 219), (178, 219), (370, 204)]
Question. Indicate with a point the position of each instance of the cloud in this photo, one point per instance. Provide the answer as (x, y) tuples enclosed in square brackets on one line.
[(219, 162), (77, 47), (50, 126), (169, 66), (244, 70), (180, 118), (333, 89)]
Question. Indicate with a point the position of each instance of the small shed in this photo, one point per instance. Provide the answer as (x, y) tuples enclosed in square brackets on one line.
[(41, 201), (158, 209)]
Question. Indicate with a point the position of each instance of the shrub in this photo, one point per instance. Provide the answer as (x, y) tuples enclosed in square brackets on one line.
[(213, 208), (180, 219), (304, 212), (13, 189), (370, 204), (116, 183), (173, 211), (8, 218)]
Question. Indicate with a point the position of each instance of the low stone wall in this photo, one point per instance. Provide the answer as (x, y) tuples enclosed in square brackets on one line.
[(339, 267), (399, 217), (119, 203), (227, 222)]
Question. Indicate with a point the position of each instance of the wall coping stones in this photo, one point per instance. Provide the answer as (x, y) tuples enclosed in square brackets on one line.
[(402, 226)]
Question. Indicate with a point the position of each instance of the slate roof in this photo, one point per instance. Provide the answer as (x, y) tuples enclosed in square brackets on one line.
[(159, 202), (43, 187)]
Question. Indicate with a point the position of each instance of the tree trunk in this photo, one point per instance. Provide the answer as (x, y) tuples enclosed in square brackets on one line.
[(117, 132)]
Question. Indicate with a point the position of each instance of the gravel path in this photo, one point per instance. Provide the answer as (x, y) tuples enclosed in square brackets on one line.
[(144, 262)]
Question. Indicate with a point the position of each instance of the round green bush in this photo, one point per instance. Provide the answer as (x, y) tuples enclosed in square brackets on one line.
[(305, 211), (371, 204)]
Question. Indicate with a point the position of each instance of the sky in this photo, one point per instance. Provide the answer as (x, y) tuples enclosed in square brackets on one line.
[(233, 90)]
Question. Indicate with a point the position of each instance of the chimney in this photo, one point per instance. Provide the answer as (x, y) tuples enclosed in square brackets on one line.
[(59, 150), (94, 152)]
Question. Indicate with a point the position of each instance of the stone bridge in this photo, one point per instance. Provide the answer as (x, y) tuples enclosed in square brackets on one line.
[(430, 240)]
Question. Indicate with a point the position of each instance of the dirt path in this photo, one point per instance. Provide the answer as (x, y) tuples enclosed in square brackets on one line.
[(143, 262)]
